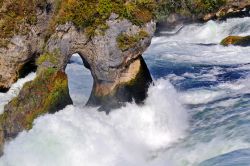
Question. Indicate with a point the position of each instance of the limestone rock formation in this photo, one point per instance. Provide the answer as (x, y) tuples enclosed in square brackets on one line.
[(110, 48), (236, 40)]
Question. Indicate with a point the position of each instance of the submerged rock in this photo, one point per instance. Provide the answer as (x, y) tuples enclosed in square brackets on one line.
[(236, 40)]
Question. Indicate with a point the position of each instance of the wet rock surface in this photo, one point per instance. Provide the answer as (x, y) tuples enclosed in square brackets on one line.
[(243, 41)]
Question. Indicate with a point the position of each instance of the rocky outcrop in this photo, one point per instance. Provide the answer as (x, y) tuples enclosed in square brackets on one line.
[(46, 94), (111, 67), (233, 9), (20, 49), (236, 40), (186, 12), (113, 55)]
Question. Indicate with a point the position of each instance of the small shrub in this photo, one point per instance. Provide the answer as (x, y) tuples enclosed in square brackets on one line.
[(205, 6), (48, 57), (166, 7), (125, 41)]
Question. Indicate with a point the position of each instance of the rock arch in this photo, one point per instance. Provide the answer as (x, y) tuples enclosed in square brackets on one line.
[(111, 67), (119, 71)]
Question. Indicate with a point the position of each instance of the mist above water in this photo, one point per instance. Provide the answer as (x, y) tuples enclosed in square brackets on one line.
[(75, 136)]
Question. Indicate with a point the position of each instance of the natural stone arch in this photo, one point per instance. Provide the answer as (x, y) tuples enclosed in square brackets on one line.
[(119, 71), (112, 68)]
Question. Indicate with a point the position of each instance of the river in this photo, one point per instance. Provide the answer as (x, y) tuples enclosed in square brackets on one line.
[(197, 113)]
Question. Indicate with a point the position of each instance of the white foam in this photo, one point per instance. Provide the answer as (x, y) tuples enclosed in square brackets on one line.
[(222, 90), (213, 31), (193, 155), (185, 46), (128, 136), (201, 96), (14, 90)]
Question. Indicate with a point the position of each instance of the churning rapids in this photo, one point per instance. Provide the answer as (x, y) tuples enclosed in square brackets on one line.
[(197, 112)]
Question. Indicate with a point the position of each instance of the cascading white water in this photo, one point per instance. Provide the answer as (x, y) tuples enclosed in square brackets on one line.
[(189, 45), (83, 136), (207, 116), (215, 84), (14, 90)]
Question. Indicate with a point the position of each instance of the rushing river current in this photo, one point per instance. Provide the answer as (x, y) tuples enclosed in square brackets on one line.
[(196, 114)]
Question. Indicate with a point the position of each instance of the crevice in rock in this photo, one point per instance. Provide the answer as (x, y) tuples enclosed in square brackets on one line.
[(4, 90), (28, 67), (85, 62), (48, 8)]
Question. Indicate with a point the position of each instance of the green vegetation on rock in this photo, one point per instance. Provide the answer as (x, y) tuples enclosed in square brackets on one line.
[(236, 40), (126, 41), (52, 58), (48, 93), (92, 14), (205, 6), (15, 15), (188, 7)]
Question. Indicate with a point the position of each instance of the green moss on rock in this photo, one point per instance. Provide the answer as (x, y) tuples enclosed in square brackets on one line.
[(16, 14), (48, 93), (236, 40), (205, 6), (187, 8), (89, 15), (92, 14), (126, 41), (51, 57)]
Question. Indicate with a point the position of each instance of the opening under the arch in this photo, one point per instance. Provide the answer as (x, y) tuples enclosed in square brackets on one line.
[(80, 80)]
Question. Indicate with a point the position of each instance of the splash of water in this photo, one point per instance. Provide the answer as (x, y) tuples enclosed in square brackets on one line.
[(14, 90), (82, 136), (189, 46)]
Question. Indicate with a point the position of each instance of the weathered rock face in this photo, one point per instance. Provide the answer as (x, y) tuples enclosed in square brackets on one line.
[(131, 85), (22, 49), (118, 69), (110, 66), (236, 40)]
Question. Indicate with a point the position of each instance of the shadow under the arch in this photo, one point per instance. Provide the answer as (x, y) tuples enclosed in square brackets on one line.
[(80, 80)]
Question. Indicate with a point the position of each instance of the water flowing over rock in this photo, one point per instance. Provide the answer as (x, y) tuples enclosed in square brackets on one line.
[(236, 40), (120, 73)]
